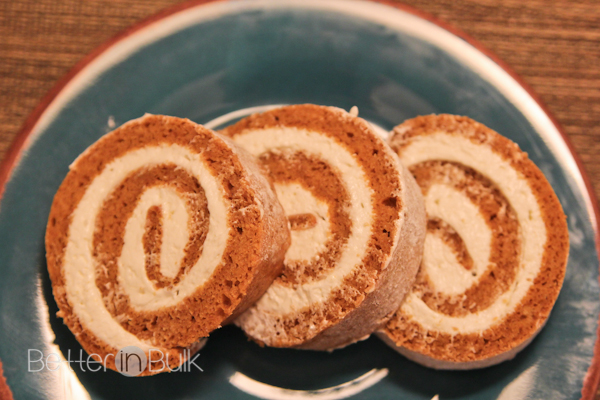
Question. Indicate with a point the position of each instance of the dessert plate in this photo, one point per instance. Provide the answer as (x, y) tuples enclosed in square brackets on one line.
[(218, 61)]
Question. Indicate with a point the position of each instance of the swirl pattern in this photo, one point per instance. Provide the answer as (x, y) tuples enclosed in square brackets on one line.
[(495, 251), (349, 212), (147, 233)]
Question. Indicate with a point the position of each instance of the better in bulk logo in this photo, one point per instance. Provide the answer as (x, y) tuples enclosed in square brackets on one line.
[(129, 361)]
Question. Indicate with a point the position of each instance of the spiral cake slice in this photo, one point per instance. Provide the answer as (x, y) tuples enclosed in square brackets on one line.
[(161, 232), (495, 251), (357, 221)]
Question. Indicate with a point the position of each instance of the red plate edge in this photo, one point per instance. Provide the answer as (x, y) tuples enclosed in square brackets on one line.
[(5, 392), (20, 142)]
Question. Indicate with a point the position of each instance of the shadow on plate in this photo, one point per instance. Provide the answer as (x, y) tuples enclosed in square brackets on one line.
[(229, 351)]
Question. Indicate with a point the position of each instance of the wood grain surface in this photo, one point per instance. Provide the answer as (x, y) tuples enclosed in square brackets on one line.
[(554, 45)]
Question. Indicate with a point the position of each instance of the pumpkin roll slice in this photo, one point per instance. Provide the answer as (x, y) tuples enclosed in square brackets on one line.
[(357, 221), (495, 251), (161, 232)]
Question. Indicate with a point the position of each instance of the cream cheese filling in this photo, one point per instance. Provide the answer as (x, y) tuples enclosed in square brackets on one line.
[(307, 243), (445, 273), (174, 238), (281, 299), (515, 188), (79, 265)]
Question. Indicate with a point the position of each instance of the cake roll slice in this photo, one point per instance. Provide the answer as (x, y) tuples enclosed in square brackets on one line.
[(495, 251), (357, 221), (161, 232)]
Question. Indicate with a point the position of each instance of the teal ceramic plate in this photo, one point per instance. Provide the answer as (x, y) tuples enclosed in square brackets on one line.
[(204, 61)]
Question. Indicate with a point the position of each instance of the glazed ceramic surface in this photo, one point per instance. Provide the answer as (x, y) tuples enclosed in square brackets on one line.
[(215, 59)]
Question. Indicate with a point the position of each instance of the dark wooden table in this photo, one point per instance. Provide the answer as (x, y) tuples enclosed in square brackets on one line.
[(553, 44)]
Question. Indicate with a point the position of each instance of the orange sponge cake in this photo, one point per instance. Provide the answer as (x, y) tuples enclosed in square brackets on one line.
[(495, 251), (161, 232), (357, 221)]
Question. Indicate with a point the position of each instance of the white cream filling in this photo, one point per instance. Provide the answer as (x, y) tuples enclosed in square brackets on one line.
[(280, 299), (306, 243), (79, 264), (174, 238), (441, 146), (446, 274)]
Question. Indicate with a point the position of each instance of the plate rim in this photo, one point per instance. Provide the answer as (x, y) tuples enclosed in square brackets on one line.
[(21, 141)]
